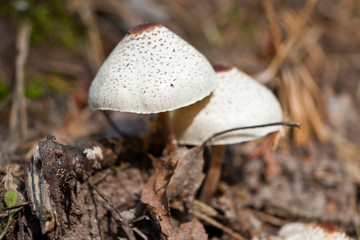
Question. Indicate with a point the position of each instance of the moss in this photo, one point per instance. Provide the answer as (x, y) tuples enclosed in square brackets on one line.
[(50, 20), (39, 86), (248, 30), (4, 90), (58, 84), (36, 87)]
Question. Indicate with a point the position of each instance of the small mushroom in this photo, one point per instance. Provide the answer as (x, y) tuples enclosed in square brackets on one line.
[(239, 101), (152, 70), (311, 231)]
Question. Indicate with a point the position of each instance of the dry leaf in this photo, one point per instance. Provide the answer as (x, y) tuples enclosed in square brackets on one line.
[(188, 174), (154, 196)]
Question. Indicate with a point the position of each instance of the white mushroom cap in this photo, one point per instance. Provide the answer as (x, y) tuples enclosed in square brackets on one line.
[(239, 101), (151, 70), (311, 231)]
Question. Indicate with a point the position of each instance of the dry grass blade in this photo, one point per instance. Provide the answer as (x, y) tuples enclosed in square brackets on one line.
[(303, 102), (286, 46), (273, 21), (313, 108), (85, 9), (313, 104), (11, 172), (290, 92), (312, 87), (308, 40), (268, 218)]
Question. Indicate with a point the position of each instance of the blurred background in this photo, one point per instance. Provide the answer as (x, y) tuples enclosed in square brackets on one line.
[(307, 52)]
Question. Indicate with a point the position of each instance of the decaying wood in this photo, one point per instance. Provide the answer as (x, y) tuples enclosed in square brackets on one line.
[(60, 178), (55, 176)]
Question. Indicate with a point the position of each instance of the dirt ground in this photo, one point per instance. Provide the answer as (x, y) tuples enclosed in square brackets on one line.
[(75, 177)]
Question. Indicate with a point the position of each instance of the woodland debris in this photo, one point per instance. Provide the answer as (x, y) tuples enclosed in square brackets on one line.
[(18, 108), (265, 149), (154, 196), (218, 225), (87, 14), (55, 175), (188, 174), (285, 47)]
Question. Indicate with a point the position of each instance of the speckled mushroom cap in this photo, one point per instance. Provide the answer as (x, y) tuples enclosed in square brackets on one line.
[(151, 70), (239, 101)]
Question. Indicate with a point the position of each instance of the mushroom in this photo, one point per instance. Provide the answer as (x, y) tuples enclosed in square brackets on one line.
[(239, 101), (152, 70), (311, 231)]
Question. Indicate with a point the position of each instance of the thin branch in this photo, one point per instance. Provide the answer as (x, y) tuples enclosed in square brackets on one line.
[(19, 100), (113, 125), (218, 225), (126, 227), (273, 22), (290, 124)]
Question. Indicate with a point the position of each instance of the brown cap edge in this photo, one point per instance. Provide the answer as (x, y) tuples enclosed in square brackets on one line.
[(222, 68), (143, 27)]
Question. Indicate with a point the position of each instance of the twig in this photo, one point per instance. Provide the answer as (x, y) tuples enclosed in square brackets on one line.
[(290, 124), (113, 125), (218, 225), (286, 46), (85, 9), (15, 206), (19, 100), (140, 233), (294, 212), (11, 215), (273, 21), (268, 218), (126, 227)]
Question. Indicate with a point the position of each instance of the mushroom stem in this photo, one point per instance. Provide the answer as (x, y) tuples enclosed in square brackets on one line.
[(213, 174), (167, 131)]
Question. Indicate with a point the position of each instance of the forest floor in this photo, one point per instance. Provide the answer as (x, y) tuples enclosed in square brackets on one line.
[(122, 184)]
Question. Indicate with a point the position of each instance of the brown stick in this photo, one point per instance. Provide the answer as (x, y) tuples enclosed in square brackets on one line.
[(213, 174), (95, 54), (167, 131), (273, 22), (218, 225), (19, 100)]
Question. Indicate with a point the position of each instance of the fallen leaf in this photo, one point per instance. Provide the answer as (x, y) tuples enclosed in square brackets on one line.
[(155, 198), (188, 174), (154, 194)]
